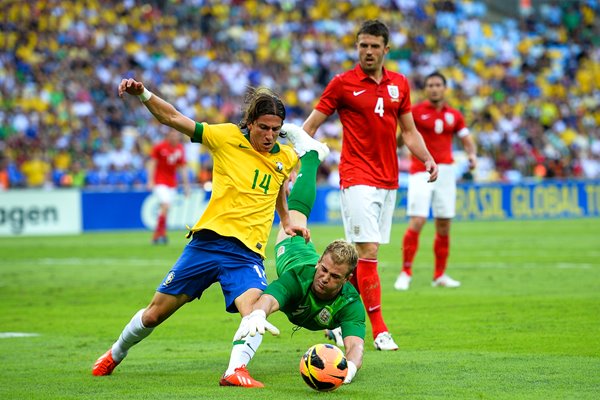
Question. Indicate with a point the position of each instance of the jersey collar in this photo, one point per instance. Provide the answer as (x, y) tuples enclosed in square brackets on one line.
[(430, 105), (362, 76)]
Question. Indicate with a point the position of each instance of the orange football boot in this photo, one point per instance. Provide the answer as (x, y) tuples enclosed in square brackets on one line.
[(241, 377), (105, 364)]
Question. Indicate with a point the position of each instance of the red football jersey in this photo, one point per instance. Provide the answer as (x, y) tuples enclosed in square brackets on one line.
[(369, 113), (438, 129), (168, 159)]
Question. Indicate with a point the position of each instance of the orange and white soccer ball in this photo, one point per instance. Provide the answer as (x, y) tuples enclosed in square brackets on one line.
[(324, 367)]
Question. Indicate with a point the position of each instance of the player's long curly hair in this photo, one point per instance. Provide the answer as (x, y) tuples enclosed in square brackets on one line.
[(260, 101), (342, 252)]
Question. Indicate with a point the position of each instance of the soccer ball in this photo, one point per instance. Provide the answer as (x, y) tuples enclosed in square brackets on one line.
[(324, 367)]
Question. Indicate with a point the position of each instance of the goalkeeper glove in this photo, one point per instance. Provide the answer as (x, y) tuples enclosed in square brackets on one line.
[(351, 372), (255, 322)]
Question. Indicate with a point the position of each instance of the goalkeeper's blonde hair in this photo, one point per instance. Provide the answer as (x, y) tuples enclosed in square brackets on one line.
[(342, 252)]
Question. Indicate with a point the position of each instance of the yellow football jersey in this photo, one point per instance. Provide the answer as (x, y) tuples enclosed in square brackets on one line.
[(245, 184)]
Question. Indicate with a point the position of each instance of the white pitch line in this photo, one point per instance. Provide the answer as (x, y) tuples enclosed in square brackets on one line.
[(6, 335), (485, 265), (575, 266), (88, 261)]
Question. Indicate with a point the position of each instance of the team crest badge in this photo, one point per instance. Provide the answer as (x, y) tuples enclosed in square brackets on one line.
[(324, 316), (393, 91), (169, 278), (279, 166), (449, 117), (280, 251)]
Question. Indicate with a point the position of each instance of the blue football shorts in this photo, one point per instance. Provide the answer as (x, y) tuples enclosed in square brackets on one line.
[(209, 258)]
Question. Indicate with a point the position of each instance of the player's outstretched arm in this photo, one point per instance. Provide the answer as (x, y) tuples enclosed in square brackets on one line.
[(354, 354), (163, 111), (256, 321)]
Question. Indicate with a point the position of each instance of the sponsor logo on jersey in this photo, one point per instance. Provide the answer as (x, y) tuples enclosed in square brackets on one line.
[(169, 278), (299, 310), (394, 92), (243, 147), (324, 316), (358, 93), (425, 116)]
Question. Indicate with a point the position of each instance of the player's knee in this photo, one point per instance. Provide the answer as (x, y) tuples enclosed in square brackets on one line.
[(155, 314), (245, 302), (151, 318), (367, 250)]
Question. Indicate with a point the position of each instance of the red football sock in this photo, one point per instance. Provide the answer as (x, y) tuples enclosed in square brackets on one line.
[(161, 226), (370, 291), (410, 244), (441, 249)]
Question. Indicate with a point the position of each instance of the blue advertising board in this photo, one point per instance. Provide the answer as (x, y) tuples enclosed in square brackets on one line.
[(497, 201), (494, 201)]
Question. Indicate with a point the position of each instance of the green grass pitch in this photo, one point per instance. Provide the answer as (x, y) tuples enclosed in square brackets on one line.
[(524, 325)]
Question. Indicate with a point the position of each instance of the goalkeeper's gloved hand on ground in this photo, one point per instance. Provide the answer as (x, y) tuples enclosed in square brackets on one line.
[(255, 322), (351, 372)]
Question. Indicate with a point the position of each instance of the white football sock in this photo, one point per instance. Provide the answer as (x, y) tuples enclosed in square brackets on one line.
[(242, 352), (132, 334)]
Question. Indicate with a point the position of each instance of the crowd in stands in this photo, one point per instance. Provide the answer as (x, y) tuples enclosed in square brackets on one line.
[(528, 86)]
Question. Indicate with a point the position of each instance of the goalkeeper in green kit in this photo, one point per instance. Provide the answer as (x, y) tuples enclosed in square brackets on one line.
[(313, 291)]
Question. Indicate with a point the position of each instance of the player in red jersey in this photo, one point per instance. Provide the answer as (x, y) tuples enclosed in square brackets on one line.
[(371, 102), (166, 160), (439, 124)]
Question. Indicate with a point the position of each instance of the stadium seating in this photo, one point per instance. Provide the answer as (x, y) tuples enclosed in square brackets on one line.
[(528, 85)]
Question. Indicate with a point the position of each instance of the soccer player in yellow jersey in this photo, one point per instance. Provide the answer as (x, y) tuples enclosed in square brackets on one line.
[(228, 242)]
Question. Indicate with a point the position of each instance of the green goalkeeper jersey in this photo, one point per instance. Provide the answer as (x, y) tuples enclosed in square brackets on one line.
[(296, 263)]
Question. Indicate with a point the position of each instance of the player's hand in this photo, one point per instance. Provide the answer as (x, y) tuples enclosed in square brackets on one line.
[(295, 230), (351, 372), (130, 86), (432, 168), (255, 322), (472, 161)]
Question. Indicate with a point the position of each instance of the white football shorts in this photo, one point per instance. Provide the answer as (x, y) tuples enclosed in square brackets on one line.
[(367, 213), (440, 195), (164, 193)]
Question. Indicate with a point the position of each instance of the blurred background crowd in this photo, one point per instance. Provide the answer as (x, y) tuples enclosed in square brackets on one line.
[(528, 84)]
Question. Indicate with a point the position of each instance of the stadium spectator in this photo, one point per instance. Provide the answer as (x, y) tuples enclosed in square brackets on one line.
[(36, 169), (313, 291), (55, 74), (75, 176), (371, 102), (229, 240), (119, 158), (4, 174), (166, 164), (439, 124)]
